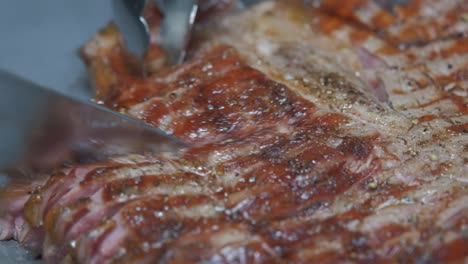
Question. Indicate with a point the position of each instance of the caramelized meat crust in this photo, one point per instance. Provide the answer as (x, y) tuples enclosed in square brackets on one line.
[(334, 132)]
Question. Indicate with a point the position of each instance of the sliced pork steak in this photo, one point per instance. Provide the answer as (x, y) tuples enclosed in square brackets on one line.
[(335, 134)]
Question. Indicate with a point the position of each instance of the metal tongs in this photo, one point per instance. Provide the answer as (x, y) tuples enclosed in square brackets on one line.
[(179, 18)]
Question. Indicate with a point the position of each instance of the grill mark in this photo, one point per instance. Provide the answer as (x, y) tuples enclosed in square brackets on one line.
[(48, 207), (227, 106), (279, 156), (229, 242), (409, 28), (351, 150), (44, 198), (108, 201), (141, 222)]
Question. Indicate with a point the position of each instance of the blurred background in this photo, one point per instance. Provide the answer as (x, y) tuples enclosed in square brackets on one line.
[(40, 40)]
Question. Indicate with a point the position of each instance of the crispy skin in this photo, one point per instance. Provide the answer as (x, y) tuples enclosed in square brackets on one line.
[(322, 135)]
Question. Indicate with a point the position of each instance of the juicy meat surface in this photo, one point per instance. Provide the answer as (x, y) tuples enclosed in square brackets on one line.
[(332, 133)]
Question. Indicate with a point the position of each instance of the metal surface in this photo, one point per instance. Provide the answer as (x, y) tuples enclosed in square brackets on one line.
[(40, 129), (43, 42), (248, 3), (128, 17), (12, 253), (179, 16), (176, 27)]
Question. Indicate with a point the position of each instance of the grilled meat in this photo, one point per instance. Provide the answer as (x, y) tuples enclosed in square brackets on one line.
[(331, 134)]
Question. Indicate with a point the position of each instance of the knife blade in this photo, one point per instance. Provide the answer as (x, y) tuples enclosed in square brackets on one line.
[(41, 128)]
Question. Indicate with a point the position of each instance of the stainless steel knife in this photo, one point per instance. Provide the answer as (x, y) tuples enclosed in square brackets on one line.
[(41, 128)]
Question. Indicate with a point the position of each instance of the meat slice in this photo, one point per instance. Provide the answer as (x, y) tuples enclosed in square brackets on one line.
[(12, 222), (316, 137)]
